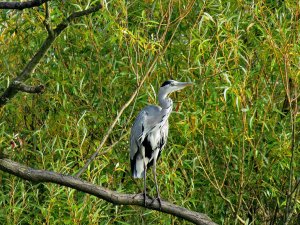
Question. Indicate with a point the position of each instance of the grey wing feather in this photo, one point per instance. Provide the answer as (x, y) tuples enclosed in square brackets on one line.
[(144, 122)]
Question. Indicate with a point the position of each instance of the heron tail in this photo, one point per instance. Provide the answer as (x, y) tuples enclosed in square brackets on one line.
[(137, 168)]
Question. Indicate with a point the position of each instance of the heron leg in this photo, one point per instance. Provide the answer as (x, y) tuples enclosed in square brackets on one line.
[(157, 189), (145, 169)]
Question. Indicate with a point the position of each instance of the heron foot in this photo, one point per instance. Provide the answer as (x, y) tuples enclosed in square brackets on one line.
[(146, 196), (159, 201)]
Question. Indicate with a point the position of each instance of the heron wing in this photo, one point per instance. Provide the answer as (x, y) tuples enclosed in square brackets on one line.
[(145, 121)]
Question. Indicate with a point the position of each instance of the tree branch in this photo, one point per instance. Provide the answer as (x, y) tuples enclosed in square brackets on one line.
[(114, 197), (47, 20), (29, 89), (11, 91), (21, 5)]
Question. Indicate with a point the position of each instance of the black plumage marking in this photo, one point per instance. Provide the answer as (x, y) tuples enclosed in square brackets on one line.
[(162, 142), (166, 83), (148, 148), (160, 146)]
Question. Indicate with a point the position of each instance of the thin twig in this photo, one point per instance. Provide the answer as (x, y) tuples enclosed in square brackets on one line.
[(114, 144)]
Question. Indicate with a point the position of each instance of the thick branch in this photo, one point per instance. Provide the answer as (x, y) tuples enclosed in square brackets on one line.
[(11, 91), (114, 197), (29, 89), (21, 5)]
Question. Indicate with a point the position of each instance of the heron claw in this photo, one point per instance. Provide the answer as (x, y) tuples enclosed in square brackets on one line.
[(159, 201)]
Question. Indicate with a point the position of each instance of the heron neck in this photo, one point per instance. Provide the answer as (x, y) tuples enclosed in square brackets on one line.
[(164, 101)]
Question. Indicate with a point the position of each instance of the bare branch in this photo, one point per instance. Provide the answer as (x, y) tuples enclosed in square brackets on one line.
[(29, 89), (21, 5), (11, 91), (114, 197)]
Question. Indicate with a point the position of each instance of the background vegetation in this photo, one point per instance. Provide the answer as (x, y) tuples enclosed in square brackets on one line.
[(233, 149)]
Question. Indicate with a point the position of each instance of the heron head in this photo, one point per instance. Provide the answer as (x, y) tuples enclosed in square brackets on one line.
[(170, 86)]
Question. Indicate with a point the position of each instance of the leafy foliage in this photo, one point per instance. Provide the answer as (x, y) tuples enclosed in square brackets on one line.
[(232, 152)]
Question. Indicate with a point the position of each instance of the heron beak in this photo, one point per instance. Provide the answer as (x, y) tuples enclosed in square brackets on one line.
[(185, 84), (182, 85)]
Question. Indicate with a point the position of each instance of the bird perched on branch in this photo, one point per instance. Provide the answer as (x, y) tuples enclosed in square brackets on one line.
[(149, 133)]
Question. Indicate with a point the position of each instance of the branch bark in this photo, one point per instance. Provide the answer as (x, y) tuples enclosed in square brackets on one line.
[(114, 197), (29, 89), (21, 5), (11, 91)]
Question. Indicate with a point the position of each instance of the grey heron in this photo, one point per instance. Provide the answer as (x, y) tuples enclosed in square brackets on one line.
[(149, 133)]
